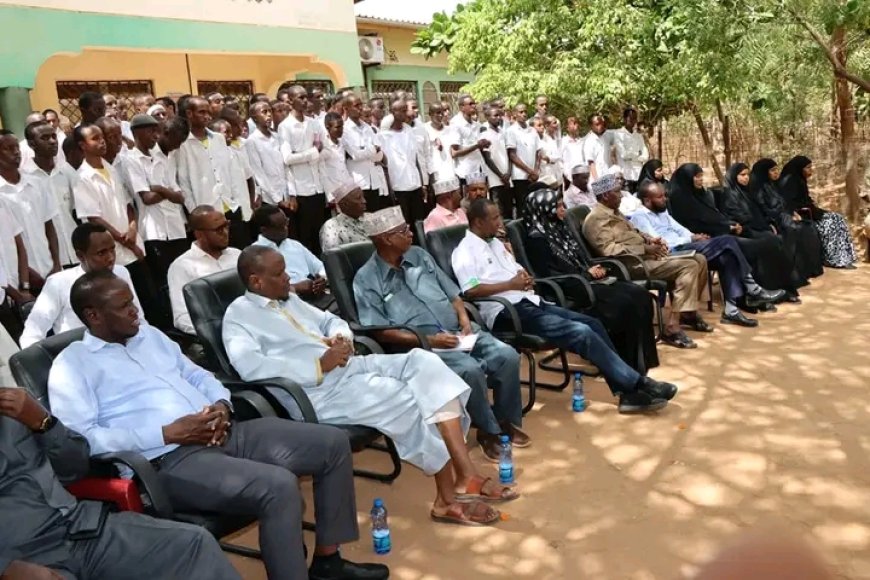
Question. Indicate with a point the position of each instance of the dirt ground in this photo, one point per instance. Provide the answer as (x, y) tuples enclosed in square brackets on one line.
[(771, 427)]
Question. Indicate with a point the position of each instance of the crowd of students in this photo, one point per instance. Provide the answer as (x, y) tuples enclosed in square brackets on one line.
[(105, 226)]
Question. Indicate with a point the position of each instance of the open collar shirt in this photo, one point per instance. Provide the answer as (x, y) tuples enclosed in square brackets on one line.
[(158, 221), (204, 172), (192, 265), (33, 205), (527, 143), (60, 182), (299, 262), (661, 225), (341, 230), (299, 148), (267, 164), (466, 134)]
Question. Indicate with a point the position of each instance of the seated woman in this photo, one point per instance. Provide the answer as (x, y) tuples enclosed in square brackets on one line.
[(654, 170), (696, 210), (624, 308), (801, 240), (838, 250)]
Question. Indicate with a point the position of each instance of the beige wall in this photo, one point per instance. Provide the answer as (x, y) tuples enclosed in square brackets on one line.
[(397, 44), (318, 14), (168, 71)]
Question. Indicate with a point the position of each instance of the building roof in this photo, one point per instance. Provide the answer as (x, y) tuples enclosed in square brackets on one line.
[(402, 12)]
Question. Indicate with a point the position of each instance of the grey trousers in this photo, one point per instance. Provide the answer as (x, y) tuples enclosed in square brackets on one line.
[(136, 547), (256, 472)]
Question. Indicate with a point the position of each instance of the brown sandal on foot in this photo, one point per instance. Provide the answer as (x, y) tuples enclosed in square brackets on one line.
[(466, 514), (474, 492)]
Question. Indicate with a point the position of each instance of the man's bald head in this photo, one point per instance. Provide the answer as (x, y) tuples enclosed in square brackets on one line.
[(200, 215)]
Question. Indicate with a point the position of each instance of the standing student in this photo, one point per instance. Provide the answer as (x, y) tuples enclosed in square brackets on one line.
[(631, 149), (242, 175), (301, 144), (267, 163), (364, 156), (572, 147), (597, 146), (525, 151), (551, 167), (467, 143), (496, 161), (92, 106), (333, 166), (424, 148), (403, 168), (440, 159)]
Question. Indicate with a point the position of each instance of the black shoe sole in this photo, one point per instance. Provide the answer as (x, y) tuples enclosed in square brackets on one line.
[(656, 405), (724, 320)]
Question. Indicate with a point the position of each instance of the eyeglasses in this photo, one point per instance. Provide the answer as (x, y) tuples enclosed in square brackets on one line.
[(223, 227), (402, 230)]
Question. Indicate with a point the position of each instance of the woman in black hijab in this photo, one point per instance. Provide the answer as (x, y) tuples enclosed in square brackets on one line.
[(837, 247), (624, 308), (654, 171), (800, 237)]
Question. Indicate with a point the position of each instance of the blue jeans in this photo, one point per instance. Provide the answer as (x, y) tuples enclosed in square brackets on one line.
[(494, 364), (579, 334)]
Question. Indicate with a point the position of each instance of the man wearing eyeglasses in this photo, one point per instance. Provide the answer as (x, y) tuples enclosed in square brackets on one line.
[(210, 253)]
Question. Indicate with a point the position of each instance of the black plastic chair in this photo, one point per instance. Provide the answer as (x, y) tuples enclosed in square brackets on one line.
[(421, 234), (207, 301), (31, 367), (441, 244)]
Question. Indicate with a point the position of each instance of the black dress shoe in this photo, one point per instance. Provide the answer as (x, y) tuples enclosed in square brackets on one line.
[(739, 319), (765, 297), (348, 570), (658, 389), (639, 402)]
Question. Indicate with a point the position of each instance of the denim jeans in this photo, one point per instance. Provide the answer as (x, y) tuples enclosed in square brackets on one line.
[(577, 333)]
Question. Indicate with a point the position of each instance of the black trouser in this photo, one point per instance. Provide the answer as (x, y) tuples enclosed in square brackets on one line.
[(240, 233), (414, 207), (311, 214), (10, 318), (140, 275), (159, 255), (503, 196), (520, 191), (375, 201)]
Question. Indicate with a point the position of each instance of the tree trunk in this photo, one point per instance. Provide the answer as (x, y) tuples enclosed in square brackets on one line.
[(660, 143), (708, 143), (847, 127), (726, 132)]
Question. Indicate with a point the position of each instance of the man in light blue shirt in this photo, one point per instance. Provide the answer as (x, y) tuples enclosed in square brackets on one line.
[(306, 271), (127, 387), (723, 253)]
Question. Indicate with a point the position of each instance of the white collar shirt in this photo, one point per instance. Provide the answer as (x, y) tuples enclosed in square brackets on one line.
[(203, 172), (33, 204), (10, 228), (97, 197), (299, 262), (551, 171), (631, 152), (333, 167), (527, 143), (497, 153), (27, 153), (572, 154), (400, 148), (192, 265), (60, 182), (477, 262), (440, 160), (596, 152), (466, 134), (359, 141), (299, 141), (158, 221), (267, 164), (240, 173)]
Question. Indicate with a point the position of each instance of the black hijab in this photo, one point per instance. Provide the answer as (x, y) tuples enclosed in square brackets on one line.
[(764, 191), (739, 205), (543, 223), (695, 208), (648, 171), (793, 185)]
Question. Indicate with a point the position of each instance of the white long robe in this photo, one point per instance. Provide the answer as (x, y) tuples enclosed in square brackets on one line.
[(403, 395)]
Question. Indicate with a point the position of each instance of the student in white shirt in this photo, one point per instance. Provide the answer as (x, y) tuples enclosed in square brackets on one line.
[(386, 121), (497, 165), (467, 143), (52, 311), (204, 169), (158, 197), (301, 144), (597, 146), (52, 118), (59, 180), (264, 155), (244, 190), (240, 229), (572, 147), (34, 208), (13, 256), (209, 254), (440, 159), (7, 343), (525, 151), (424, 147), (631, 149), (399, 144), (333, 158), (551, 161), (364, 156)]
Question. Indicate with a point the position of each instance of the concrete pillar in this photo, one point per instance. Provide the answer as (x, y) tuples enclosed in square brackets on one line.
[(14, 108)]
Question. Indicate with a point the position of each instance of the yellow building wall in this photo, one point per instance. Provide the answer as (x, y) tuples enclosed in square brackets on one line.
[(397, 46)]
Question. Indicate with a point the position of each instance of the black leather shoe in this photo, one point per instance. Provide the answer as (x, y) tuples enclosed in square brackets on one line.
[(490, 444), (739, 319), (639, 402), (658, 389), (349, 571), (765, 297)]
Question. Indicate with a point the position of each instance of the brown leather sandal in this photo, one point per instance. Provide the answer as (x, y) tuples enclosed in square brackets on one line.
[(466, 514), (474, 491)]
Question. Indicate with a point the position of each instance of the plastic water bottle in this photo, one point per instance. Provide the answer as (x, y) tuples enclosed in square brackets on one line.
[(380, 528), (506, 462), (578, 399)]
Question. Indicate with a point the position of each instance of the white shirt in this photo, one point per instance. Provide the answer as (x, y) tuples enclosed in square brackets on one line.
[(27, 153), (400, 148), (466, 134), (572, 154), (267, 164), (299, 262), (497, 154), (629, 204), (477, 262), (204, 172), (33, 206), (551, 172), (52, 309), (631, 152), (158, 221), (96, 197), (300, 154), (333, 167), (440, 160), (424, 149), (240, 173), (60, 182), (192, 265), (9, 230), (527, 143), (596, 150), (359, 143)]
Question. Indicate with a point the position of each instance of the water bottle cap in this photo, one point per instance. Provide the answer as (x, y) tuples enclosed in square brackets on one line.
[(379, 502), (578, 375), (505, 439)]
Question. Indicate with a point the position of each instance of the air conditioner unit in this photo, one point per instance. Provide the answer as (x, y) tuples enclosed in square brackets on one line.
[(371, 49)]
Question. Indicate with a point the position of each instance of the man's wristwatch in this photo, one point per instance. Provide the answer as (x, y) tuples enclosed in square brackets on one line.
[(47, 423), (24, 286)]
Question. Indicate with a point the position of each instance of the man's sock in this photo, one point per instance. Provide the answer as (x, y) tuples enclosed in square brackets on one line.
[(751, 285), (730, 308)]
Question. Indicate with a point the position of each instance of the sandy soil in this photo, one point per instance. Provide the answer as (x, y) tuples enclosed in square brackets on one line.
[(771, 427)]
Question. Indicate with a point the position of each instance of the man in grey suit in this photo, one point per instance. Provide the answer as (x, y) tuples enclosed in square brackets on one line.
[(48, 535)]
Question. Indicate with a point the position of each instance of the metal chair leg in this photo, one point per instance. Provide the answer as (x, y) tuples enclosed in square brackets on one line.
[(389, 448), (241, 550), (709, 291), (532, 382)]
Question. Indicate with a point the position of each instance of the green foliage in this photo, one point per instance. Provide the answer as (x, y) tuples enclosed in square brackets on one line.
[(439, 36)]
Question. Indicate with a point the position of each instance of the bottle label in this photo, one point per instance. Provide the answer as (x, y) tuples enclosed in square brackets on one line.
[(506, 473), (578, 404), (382, 542)]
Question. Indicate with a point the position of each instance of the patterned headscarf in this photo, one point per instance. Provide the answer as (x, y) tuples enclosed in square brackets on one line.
[(541, 220)]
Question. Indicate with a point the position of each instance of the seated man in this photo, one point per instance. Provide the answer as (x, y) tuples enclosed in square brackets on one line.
[(412, 398), (485, 268), (401, 284), (209, 254), (37, 514), (346, 227), (127, 387), (723, 253), (306, 271), (578, 192), (95, 250), (611, 234), (448, 206)]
